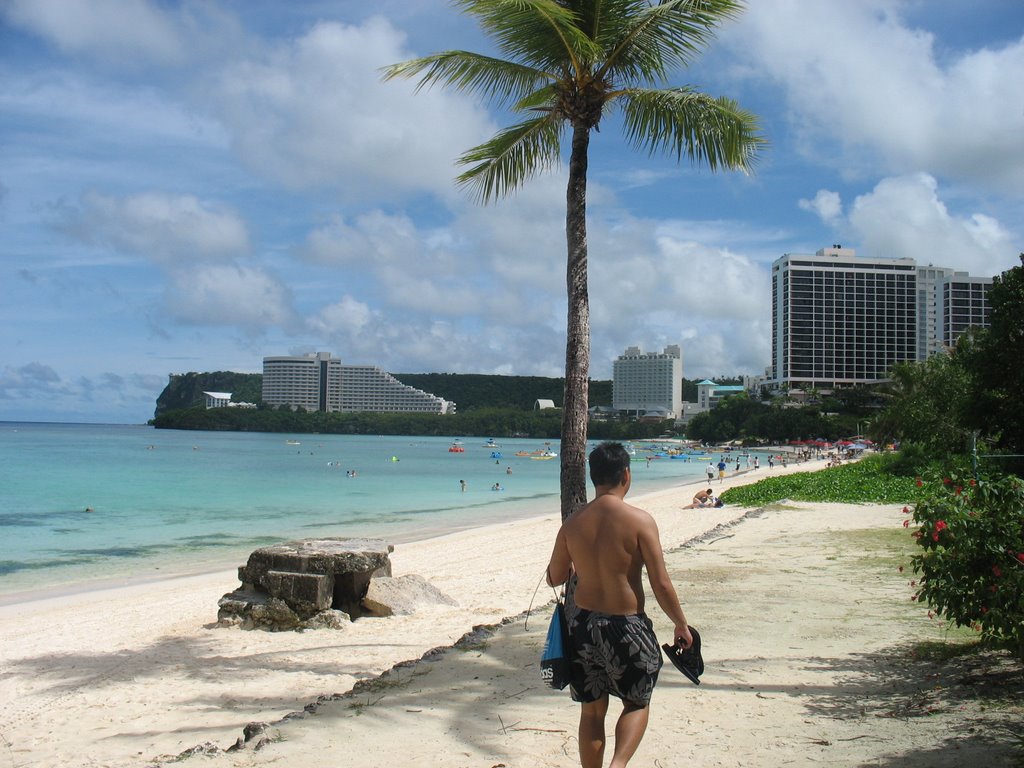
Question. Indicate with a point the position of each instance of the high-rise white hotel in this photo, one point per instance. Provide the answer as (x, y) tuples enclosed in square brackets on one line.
[(323, 383), (840, 319), (649, 382)]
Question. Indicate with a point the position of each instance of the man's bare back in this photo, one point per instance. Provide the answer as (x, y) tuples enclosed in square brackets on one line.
[(608, 543), (604, 543)]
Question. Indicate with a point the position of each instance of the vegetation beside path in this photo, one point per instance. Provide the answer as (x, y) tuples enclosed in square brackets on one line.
[(878, 479)]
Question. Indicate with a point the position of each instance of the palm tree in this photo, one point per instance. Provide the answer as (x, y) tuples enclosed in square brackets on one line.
[(569, 62)]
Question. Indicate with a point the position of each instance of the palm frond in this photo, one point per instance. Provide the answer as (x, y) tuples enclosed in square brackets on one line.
[(512, 156), (661, 37), (492, 78), (543, 33), (684, 122), (543, 99)]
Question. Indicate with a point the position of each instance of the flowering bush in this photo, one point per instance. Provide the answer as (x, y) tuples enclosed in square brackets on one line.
[(971, 561)]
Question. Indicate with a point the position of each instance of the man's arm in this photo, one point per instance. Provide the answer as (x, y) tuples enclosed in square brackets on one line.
[(661, 584), (560, 564)]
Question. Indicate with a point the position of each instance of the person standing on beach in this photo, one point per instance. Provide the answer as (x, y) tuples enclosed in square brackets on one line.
[(721, 470), (711, 471), (614, 649)]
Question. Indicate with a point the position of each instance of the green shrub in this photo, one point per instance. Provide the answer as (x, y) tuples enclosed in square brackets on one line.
[(971, 563), (868, 481)]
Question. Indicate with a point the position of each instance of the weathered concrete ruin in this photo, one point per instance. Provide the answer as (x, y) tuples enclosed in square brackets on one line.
[(321, 583)]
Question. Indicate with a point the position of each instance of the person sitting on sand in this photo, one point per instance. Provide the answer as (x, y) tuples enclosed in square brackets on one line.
[(700, 499), (608, 543)]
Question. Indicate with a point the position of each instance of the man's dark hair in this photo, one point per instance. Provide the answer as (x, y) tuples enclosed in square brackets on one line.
[(608, 464)]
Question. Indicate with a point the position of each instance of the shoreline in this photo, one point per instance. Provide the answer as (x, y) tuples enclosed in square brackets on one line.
[(131, 672), (217, 566)]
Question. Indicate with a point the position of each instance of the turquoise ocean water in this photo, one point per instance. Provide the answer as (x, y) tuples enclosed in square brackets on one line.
[(166, 502)]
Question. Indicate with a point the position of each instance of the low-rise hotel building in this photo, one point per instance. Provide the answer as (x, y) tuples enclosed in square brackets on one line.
[(368, 388), (320, 382)]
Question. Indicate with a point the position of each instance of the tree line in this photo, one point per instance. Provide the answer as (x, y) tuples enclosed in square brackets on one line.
[(480, 422)]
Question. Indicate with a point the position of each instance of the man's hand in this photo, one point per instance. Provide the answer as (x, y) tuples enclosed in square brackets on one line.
[(682, 636)]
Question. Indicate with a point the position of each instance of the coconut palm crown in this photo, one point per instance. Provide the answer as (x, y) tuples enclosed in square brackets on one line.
[(568, 64)]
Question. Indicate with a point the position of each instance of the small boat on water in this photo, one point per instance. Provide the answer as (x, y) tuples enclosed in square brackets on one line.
[(491, 444), (456, 447), (292, 442)]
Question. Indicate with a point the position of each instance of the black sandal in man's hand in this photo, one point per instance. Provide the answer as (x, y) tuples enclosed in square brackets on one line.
[(687, 660)]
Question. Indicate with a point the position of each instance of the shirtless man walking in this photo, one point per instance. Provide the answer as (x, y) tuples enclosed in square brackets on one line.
[(608, 543)]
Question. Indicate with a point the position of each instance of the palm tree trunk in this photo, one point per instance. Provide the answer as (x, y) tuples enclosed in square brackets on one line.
[(577, 333)]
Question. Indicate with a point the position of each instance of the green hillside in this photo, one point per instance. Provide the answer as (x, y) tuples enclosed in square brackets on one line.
[(185, 390)]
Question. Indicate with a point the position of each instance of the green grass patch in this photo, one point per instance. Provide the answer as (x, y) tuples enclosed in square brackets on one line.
[(869, 481)]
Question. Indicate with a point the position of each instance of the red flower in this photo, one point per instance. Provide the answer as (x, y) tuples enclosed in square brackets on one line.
[(917, 482), (906, 523), (935, 537), (959, 488), (996, 571), (940, 526), (973, 483), (906, 510), (918, 534), (1020, 556), (984, 610), (946, 481)]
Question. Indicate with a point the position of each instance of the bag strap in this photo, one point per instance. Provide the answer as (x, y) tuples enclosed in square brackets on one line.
[(558, 597)]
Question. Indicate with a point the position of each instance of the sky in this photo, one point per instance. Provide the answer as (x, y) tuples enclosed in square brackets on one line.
[(192, 185)]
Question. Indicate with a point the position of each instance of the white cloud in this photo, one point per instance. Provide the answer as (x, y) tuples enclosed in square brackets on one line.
[(856, 74), (129, 34), (222, 295), (904, 216), (107, 27), (166, 229), (826, 205), (313, 112), (347, 318)]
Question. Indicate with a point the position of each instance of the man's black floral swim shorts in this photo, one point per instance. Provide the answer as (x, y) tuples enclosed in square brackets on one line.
[(617, 655)]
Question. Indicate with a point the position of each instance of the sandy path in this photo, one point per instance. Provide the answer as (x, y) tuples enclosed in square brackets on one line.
[(807, 629)]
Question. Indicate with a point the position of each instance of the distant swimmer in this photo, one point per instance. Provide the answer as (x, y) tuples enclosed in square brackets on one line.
[(88, 509), (463, 484)]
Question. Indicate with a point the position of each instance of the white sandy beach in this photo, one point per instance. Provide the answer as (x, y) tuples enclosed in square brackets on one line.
[(790, 613)]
